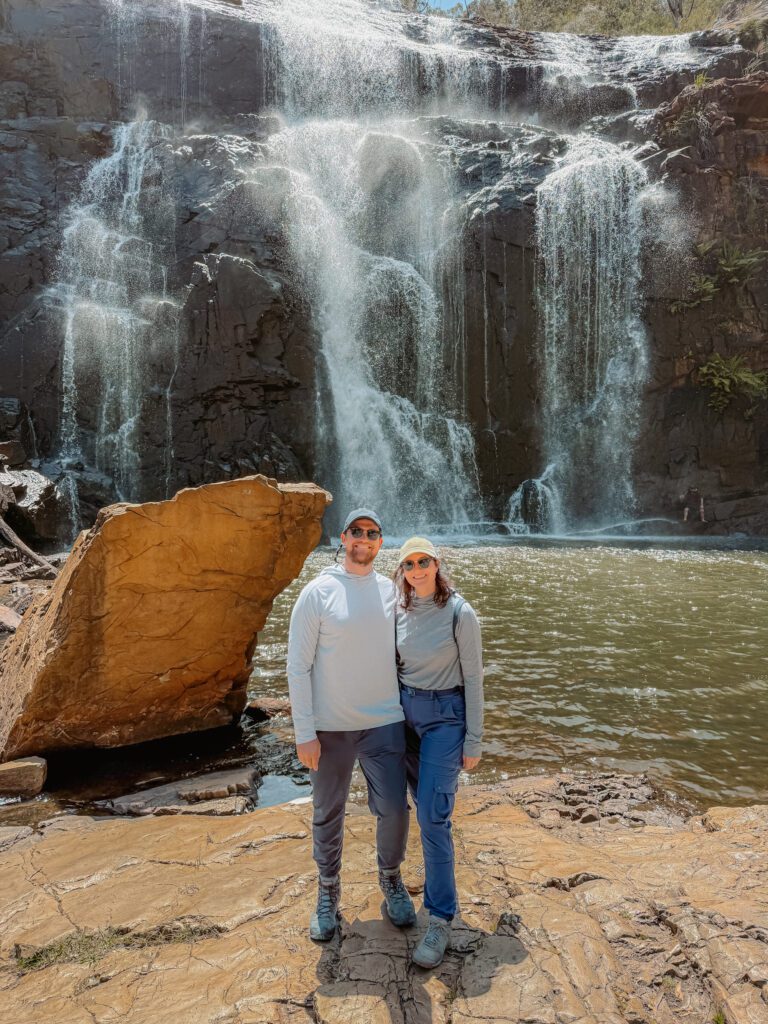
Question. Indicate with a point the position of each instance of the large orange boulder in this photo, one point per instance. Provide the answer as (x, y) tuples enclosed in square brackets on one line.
[(150, 627)]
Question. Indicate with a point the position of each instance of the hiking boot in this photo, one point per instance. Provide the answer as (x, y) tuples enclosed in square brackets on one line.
[(399, 904), (431, 950), (325, 920)]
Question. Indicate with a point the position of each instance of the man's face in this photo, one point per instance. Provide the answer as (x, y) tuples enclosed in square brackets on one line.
[(361, 550)]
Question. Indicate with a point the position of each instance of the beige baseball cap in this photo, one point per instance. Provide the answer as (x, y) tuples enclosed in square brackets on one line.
[(417, 544)]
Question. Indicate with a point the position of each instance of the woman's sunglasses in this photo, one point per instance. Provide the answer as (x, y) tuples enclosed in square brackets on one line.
[(423, 563), (357, 532)]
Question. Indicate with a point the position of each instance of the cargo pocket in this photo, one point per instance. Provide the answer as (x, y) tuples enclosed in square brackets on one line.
[(443, 800)]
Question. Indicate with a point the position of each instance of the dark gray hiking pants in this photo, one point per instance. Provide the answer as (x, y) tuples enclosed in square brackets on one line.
[(381, 753)]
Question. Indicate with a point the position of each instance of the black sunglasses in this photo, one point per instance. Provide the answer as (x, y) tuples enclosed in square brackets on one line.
[(357, 532), (423, 563)]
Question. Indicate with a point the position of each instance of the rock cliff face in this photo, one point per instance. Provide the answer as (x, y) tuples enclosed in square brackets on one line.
[(149, 629), (230, 378), (205, 919)]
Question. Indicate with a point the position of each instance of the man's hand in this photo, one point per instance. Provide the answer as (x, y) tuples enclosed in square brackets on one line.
[(309, 754), (468, 763)]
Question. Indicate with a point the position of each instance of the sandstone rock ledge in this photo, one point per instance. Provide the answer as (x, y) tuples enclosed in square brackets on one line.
[(149, 629), (198, 921)]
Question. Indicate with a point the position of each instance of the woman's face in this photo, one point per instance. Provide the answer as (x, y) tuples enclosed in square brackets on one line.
[(421, 577)]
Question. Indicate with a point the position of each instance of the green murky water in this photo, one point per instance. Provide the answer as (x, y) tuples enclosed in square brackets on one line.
[(608, 659)]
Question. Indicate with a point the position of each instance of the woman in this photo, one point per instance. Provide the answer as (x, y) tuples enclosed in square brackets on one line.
[(440, 668)]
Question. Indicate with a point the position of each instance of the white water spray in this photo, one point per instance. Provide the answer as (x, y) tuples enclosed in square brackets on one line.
[(114, 308), (594, 355)]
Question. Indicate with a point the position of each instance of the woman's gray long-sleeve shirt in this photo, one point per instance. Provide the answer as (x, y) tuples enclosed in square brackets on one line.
[(430, 659)]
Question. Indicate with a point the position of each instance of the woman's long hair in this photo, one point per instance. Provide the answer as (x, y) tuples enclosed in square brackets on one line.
[(405, 591)]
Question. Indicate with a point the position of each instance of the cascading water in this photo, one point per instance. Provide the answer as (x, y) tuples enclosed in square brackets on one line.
[(372, 225), (387, 149), (111, 294), (593, 357), (535, 506), (366, 227)]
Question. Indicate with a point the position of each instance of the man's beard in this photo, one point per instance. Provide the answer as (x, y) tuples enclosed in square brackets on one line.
[(362, 556)]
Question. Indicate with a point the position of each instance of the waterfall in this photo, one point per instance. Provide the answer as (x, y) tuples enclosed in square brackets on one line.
[(373, 220), (111, 297), (346, 58), (366, 226), (127, 24), (594, 357), (535, 506)]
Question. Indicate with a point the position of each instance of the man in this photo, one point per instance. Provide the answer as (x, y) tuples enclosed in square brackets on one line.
[(342, 680)]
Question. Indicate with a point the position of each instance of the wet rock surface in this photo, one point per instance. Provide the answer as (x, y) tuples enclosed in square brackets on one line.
[(150, 627), (208, 919), (231, 792)]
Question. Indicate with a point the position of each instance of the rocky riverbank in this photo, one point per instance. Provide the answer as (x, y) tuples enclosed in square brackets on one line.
[(582, 900)]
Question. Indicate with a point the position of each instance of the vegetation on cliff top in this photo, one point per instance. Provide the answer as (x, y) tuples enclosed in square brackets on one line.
[(602, 17)]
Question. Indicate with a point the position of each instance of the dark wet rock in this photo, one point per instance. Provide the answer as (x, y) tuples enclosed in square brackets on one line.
[(36, 512), (229, 792), (262, 709), (716, 136), (13, 454)]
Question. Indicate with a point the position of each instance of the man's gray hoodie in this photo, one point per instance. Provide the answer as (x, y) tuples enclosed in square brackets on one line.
[(342, 673)]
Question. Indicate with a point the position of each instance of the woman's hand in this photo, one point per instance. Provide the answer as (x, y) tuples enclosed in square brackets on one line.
[(468, 763), (309, 753)]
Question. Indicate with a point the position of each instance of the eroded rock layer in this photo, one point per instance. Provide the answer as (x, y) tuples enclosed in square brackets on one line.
[(149, 629), (206, 920)]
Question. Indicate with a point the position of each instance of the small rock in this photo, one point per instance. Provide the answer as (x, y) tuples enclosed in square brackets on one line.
[(19, 597), (13, 453), (9, 619), (24, 777), (263, 708), (36, 512), (231, 792), (589, 816)]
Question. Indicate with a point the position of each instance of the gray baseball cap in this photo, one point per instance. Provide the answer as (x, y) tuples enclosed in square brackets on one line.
[(361, 513)]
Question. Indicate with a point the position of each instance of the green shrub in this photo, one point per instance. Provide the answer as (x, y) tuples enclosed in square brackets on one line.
[(703, 289), (753, 33), (731, 378), (612, 17), (735, 267)]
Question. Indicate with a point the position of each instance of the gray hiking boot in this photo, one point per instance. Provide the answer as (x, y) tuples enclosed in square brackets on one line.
[(431, 950), (400, 908), (325, 920)]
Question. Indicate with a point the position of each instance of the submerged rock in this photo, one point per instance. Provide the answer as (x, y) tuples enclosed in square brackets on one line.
[(150, 627), (209, 918)]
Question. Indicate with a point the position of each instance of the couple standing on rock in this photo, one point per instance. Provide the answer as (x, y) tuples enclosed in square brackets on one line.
[(391, 676)]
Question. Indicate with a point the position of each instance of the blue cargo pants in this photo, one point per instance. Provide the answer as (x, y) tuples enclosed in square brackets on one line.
[(381, 753), (436, 723)]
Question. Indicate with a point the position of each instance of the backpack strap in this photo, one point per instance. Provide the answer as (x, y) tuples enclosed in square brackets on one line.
[(458, 604)]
